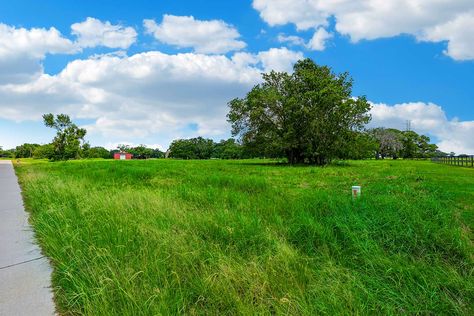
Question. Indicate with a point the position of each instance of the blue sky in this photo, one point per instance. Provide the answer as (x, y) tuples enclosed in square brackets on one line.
[(152, 71)]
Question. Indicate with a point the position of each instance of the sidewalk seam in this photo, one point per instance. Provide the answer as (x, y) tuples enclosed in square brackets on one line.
[(23, 262)]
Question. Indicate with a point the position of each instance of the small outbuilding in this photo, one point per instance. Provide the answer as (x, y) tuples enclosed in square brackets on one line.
[(122, 156)]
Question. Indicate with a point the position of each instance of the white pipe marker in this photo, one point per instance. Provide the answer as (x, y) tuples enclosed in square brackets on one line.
[(356, 191)]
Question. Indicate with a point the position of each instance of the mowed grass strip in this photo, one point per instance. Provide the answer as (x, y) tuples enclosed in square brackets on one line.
[(252, 237)]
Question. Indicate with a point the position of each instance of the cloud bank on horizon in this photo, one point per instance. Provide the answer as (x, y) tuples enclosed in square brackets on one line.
[(155, 96)]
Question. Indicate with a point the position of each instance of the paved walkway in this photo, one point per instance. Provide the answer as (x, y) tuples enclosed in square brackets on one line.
[(25, 275)]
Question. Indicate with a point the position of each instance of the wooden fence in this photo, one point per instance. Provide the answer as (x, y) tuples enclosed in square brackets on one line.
[(463, 161)]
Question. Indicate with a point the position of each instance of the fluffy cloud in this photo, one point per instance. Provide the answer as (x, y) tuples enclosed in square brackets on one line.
[(93, 32), (319, 39), (21, 51), (317, 42), (459, 34), (146, 94), (305, 14), (427, 118), (291, 39), (214, 36), (435, 21), (279, 59), (35, 42)]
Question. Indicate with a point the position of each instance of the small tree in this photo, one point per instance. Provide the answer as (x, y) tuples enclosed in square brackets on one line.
[(307, 116), (69, 138), (44, 152)]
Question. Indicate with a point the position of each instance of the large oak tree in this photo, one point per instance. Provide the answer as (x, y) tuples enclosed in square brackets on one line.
[(308, 116)]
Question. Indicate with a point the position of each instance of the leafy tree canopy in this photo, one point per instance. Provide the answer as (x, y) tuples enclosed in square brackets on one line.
[(194, 148), (44, 152), (95, 152), (308, 116), (69, 138), (228, 149), (26, 150)]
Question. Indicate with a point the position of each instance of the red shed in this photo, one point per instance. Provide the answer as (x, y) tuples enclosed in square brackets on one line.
[(123, 156)]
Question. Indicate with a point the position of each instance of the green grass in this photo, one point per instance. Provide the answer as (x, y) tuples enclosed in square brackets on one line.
[(247, 237)]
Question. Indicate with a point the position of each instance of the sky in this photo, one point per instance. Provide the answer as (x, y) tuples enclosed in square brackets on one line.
[(147, 72)]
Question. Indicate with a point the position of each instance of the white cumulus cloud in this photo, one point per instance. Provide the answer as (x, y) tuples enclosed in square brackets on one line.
[(459, 34), (208, 37), (279, 59), (93, 32), (427, 20), (291, 39), (22, 50), (305, 14), (319, 39), (34, 42), (317, 42)]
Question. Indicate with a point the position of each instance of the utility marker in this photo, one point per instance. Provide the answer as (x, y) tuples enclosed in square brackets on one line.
[(356, 192)]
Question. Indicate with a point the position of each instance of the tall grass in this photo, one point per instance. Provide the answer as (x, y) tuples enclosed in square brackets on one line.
[(246, 237)]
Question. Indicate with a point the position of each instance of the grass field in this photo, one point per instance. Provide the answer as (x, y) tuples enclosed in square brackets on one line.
[(248, 237)]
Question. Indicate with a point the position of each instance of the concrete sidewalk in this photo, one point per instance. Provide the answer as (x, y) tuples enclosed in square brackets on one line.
[(25, 275)]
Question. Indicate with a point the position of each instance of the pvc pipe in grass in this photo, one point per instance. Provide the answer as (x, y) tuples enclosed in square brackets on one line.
[(356, 191)]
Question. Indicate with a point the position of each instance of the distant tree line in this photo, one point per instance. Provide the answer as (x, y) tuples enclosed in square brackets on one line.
[(8, 153), (85, 152), (379, 143), (202, 148), (69, 144)]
